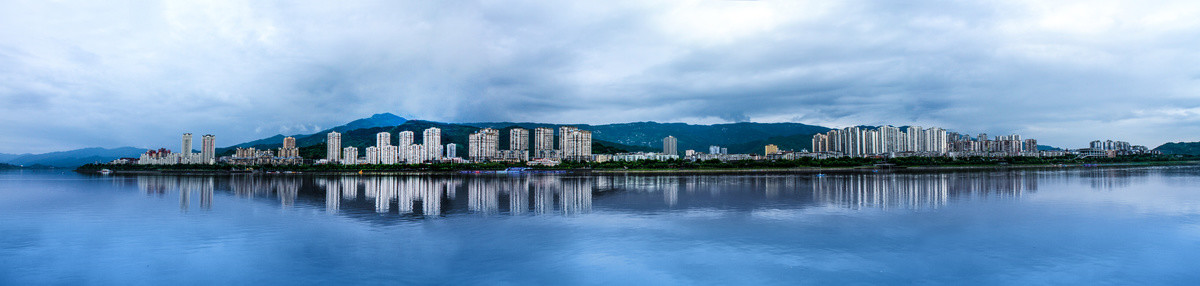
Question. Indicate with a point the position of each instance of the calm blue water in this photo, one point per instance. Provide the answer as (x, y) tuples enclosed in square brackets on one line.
[(1125, 226)]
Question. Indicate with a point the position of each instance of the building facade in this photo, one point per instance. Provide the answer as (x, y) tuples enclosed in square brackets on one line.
[(187, 144), (208, 149), (670, 145), (333, 147), (483, 145), (770, 149), (577, 145), (431, 138), (349, 156)]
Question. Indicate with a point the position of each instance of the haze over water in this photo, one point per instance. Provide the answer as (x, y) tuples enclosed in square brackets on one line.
[(1058, 226)]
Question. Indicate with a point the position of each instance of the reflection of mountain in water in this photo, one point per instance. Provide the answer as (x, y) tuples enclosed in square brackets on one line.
[(432, 196)]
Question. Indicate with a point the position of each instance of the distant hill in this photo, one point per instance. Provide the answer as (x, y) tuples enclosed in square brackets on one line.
[(1048, 148), (73, 158), (746, 137), (6, 157), (377, 120), (1179, 148)]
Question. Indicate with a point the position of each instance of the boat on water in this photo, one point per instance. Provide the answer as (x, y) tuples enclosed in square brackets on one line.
[(105, 171)]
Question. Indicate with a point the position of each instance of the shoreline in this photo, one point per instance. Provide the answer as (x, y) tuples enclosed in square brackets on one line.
[(801, 170)]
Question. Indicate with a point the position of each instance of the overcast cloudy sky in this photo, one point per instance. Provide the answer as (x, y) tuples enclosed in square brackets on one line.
[(139, 73)]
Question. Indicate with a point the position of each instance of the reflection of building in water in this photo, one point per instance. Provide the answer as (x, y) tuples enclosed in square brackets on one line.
[(250, 186), (543, 194), (1109, 179), (862, 190), (404, 190), (854, 190), (186, 185), (707, 186), (483, 196), (185, 195), (918, 191), (423, 195), (671, 194), (576, 196), (206, 193), (518, 196)]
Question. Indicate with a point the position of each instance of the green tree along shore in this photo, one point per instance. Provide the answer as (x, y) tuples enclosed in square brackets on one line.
[(843, 162)]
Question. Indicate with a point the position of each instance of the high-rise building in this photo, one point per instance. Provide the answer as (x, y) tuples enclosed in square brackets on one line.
[(890, 136), (483, 145), (543, 138), (208, 149), (577, 144), (543, 143), (562, 136), (383, 139), (770, 149), (405, 138), (333, 147), (887, 140), (431, 138), (349, 156), (388, 155), (518, 139), (451, 150), (372, 155), (1030, 145), (670, 145), (820, 142), (187, 144), (289, 149)]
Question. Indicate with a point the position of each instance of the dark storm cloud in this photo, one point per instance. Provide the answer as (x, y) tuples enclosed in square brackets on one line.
[(140, 73)]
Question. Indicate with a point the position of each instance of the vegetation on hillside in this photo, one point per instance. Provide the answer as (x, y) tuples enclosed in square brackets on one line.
[(1180, 148)]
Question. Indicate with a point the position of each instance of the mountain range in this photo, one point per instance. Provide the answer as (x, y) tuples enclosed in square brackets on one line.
[(744, 137), (72, 158)]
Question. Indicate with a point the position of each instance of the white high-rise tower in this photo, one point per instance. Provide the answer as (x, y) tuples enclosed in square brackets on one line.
[(333, 147), (208, 149), (431, 138), (187, 144)]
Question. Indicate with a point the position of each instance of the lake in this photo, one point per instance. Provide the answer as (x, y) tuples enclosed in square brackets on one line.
[(1090, 226)]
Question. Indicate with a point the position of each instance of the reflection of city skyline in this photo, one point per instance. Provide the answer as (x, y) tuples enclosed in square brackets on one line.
[(391, 194), (432, 196), (849, 190)]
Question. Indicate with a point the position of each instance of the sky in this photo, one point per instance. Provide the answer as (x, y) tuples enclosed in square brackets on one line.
[(77, 74)]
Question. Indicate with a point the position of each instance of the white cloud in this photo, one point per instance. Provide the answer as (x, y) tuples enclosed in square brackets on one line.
[(141, 72)]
